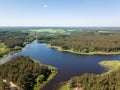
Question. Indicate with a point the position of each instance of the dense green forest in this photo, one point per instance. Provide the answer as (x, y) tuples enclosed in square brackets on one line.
[(81, 41), (25, 72), (12, 41)]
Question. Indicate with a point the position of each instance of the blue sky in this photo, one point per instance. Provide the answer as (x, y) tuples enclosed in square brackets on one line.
[(59, 12)]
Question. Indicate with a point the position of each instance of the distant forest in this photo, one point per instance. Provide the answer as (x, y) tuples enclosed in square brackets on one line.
[(84, 41)]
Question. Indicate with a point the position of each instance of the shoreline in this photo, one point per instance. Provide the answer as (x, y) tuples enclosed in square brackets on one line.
[(2, 59), (81, 53), (111, 65), (52, 75)]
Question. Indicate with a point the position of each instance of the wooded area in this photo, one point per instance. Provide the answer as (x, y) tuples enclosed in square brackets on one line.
[(12, 41), (109, 81), (84, 41), (24, 72)]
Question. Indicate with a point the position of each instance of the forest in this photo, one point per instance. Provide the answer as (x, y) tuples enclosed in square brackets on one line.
[(24, 72), (12, 41), (109, 81), (81, 41)]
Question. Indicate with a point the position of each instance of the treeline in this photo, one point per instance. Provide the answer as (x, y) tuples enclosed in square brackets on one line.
[(24, 72), (84, 41), (109, 81)]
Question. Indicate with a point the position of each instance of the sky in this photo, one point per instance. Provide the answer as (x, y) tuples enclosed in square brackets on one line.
[(60, 13)]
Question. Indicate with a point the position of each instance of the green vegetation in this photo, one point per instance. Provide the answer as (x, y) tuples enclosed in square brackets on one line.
[(110, 64), (83, 53), (26, 73), (48, 31), (40, 84), (83, 42), (3, 50), (109, 81), (13, 41)]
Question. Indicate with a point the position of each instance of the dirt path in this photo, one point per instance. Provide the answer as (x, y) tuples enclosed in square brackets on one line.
[(78, 88), (12, 85)]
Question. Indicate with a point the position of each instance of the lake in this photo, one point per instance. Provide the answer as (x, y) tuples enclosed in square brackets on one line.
[(68, 64)]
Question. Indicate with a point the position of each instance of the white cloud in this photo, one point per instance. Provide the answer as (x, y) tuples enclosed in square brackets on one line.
[(45, 6)]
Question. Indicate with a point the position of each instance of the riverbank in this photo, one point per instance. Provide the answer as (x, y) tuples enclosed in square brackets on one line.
[(81, 53), (10, 53), (52, 75), (14, 50)]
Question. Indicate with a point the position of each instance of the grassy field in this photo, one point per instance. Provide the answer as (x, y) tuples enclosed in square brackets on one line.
[(110, 64), (49, 30), (3, 50)]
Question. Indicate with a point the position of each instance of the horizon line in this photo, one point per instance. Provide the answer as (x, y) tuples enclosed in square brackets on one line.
[(59, 26)]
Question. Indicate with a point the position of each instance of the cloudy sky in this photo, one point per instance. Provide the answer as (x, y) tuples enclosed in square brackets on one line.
[(59, 12)]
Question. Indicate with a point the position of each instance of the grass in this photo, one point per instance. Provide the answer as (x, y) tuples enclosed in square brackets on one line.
[(4, 50), (111, 65), (114, 64), (49, 30)]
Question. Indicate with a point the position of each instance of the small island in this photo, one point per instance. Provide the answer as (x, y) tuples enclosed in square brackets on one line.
[(25, 74)]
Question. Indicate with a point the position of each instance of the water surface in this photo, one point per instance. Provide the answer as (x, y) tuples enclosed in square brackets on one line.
[(68, 64)]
